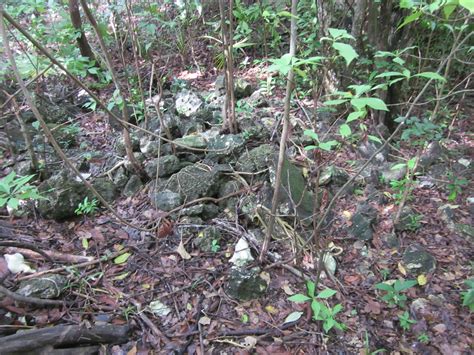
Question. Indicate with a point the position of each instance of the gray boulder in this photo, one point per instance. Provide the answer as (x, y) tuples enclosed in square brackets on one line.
[(167, 165), (417, 260), (245, 284), (47, 286), (64, 193), (362, 222)]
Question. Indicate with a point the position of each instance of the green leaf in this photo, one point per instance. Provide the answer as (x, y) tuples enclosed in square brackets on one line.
[(448, 9), (327, 146), (346, 51), (282, 65), (312, 134), (374, 139), (299, 298), (13, 203), (389, 74), (345, 130), (398, 166), (411, 163), (372, 102), (468, 4), (310, 147), (316, 308), (122, 258), (431, 75), (356, 115), (360, 89), (403, 285), (311, 286), (409, 19), (85, 243), (337, 33), (327, 293), (399, 61), (334, 102), (384, 287), (328, 324), (293, 317)]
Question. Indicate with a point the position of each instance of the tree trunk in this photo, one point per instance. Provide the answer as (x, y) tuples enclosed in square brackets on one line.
[(82, 43)]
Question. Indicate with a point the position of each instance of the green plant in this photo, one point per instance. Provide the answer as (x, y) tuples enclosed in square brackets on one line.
[(384, 273), (423, 338), (405, 321), (414, 222), (14, 189), (87, 207), (399, 187), (327, 146), (455, 186), (468, 296), (418, 132), (393, 295), (215, 246), (367, 346), (321, 311)]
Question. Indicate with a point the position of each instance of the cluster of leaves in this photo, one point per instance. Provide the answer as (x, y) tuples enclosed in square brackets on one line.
[(321, 312), (393, 292), (87, 207), (14, 189)]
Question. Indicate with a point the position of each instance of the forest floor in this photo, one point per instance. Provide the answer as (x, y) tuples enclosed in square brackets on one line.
[(202, 318)]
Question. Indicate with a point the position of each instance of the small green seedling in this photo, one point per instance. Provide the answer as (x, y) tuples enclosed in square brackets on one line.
[(87, 207), (215, 246), (455, 186), (423, 338), (405, 321), (468, 296), (321, 312), (393, 295)]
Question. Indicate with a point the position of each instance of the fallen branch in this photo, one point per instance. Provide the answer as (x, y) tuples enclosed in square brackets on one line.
[(50, 255), (31, 300), (63, 335)]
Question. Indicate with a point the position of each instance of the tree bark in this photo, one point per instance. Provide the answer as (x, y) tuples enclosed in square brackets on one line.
[(82, 42)]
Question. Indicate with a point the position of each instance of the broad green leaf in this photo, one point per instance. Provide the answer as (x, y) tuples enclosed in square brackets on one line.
[(372, 102), (337, 308), (389, 74), (334, 102), (310, 147), (337, 33), (399, 60), (328, 324), (327, 146), (374, 139), (468, 4), (293, 317), (398, 166), (283, 65), (406, 4), (346, 51), (409, 19), (327, 293), (312, 134), (360, 89), (432, 75), (122, 258), (356, 115), (316, 308), (299, 298), (449, 8), (384, 287), (345, 130), (13, 203), (310, 285), (403, 285), (411, 163), (85, 243)]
